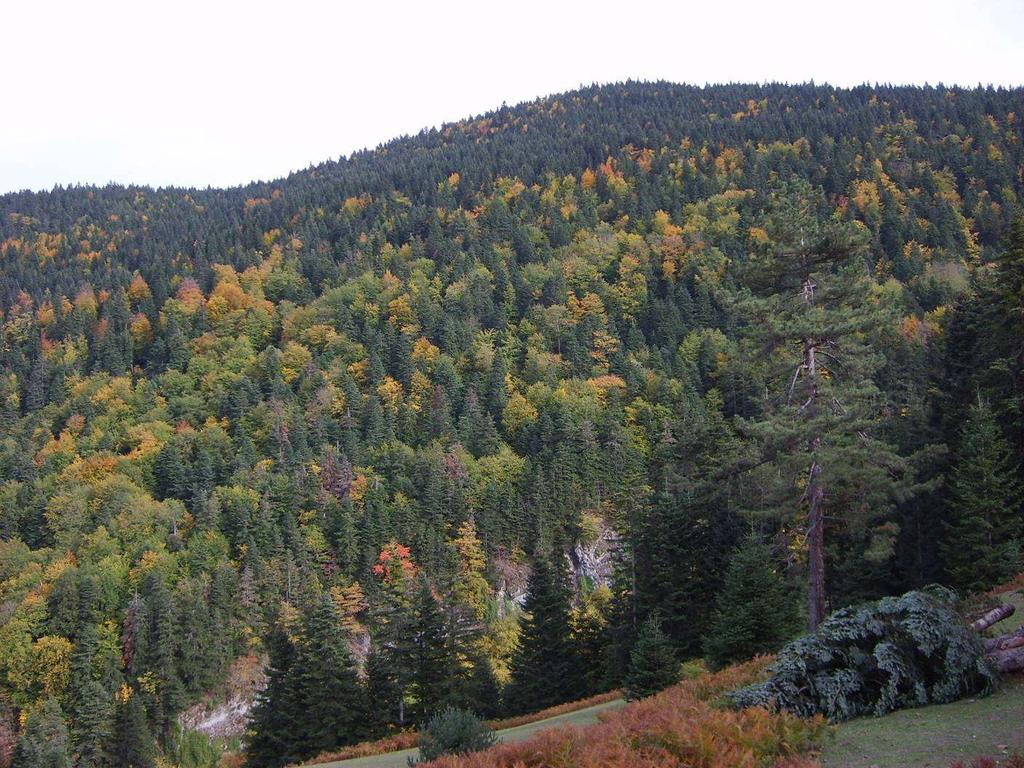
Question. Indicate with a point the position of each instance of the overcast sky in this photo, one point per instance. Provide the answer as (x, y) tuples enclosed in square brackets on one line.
[(221, 93)]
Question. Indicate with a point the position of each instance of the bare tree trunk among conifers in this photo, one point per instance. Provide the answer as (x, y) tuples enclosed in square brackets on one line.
[(815, 494), (815, 552)]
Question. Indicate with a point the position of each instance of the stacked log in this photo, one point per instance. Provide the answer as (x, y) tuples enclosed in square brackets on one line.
[(1005, 651)]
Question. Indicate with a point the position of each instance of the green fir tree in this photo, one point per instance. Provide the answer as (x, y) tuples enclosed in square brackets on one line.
[(652, 664), (545, 668), (982, 543), (755, 612)]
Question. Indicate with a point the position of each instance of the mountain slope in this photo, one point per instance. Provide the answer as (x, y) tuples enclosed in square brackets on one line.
[(340, 418)]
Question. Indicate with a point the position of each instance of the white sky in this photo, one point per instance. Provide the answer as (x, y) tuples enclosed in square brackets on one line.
[(177, 92)]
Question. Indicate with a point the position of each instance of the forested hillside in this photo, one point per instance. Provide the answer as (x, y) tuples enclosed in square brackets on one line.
[(601, 354)]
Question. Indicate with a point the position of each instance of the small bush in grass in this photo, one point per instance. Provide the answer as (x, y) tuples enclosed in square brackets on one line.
[(868, 660), (692, 669), (454, 732)]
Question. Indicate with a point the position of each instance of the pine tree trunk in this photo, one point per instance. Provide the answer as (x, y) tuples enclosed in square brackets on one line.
[(815, 493), (1009, 661), (1006, 643), (1005, 651), (815, 552)]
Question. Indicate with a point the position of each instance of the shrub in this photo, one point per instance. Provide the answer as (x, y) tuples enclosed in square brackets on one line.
[(692, 668), (868, 660), (454, 732), (195, 750)]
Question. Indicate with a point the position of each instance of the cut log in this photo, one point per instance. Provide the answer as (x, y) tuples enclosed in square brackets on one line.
[(993, 617), (1003, 642), (1009, 661), (1012, 642)]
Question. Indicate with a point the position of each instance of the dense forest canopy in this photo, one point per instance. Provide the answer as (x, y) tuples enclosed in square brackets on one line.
[(460, 414)]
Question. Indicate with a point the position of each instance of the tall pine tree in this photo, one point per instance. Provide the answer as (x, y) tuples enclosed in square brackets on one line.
[(332, 706), (431, 665), (45, 742), (809, 309), (272, 720)]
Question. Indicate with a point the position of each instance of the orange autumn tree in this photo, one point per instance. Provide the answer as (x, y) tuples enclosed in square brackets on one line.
[(394, 563)]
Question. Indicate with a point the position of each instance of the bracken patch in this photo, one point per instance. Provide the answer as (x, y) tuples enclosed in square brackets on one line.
[(678, 727)]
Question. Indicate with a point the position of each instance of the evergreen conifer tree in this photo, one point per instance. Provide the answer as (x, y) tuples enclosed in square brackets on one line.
[(431, 665), (133, 745), (982, 542), (677, 567), (754, 611), (45, 742), (92, 725), (1008, 331), (272, 719), (809, 308), (545, 667), (382, 694), (332, 707), (158, 655), (652, 664)]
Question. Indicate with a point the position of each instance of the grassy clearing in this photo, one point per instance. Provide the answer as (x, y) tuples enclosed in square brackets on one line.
[(408, 741), (933, 736), (580, 717)]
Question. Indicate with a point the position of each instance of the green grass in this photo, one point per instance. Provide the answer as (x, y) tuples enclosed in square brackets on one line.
[(400, 759), (937, 736), (933, 736), (1016, 597)]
